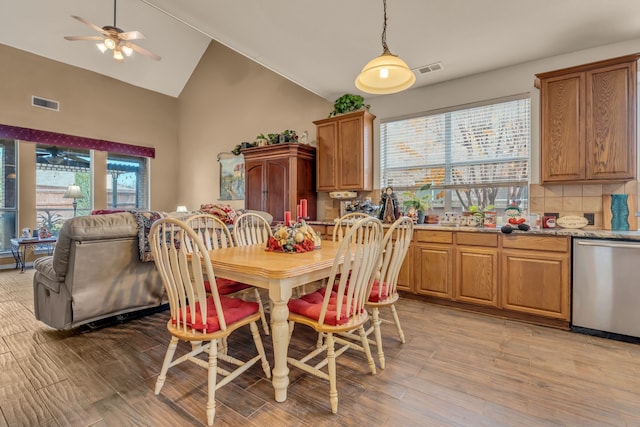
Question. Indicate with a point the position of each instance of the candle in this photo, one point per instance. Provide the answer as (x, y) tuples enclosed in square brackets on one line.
[(299, 212), (303, 204), (287, 218)]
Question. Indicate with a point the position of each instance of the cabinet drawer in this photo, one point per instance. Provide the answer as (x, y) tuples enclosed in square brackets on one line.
[(477, 239), (428, 236), (537, 243)]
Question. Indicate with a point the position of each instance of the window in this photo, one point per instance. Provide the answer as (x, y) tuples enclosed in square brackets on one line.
[(8, 192), (56, 169), (474, 155), (127, 182)]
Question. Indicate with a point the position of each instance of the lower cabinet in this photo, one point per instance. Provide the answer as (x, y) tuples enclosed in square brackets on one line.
[(476, 268), (433, 263), (536, 276), (522, 276), (405, 276)]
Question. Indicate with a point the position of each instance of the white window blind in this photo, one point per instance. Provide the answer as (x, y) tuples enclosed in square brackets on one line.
[(477, 146)]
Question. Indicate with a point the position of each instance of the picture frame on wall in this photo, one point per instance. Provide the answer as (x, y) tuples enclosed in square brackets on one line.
[(231, 176)]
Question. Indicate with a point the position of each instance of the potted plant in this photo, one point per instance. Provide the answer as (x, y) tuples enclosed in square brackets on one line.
[(348, 103), (420, 200), (480, 212)]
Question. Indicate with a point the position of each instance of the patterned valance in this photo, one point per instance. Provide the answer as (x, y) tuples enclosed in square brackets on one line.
[(64, 140)]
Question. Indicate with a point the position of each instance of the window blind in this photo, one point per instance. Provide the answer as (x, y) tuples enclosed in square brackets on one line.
[(483, 145)]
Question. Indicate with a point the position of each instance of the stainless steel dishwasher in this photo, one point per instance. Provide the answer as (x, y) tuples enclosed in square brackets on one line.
[(606, 288)]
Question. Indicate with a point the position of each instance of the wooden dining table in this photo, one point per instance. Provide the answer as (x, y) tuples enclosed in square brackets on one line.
[(279, 273)]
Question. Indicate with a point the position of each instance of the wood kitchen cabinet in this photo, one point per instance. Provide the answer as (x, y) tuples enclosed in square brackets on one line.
[(588, 122), (476, 268), (433, 263), (278, 176), (345, 152), (536, 275)]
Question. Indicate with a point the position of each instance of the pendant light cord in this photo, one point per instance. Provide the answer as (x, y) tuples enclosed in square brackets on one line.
[(114, 13), (385, 48)]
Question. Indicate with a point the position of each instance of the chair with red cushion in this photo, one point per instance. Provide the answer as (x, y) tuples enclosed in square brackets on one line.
[(384, 292), (216, 235), (196, 316), (345, 222), (251, 229), (332, 310)]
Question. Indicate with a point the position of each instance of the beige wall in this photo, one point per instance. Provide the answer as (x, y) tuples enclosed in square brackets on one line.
[(93, 106), (230, 99)]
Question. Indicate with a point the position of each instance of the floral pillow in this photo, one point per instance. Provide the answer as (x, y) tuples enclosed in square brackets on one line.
[(225, 212)]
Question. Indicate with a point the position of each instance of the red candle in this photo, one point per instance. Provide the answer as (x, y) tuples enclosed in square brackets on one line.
[(287, 218), (303, 204), (299, 211)]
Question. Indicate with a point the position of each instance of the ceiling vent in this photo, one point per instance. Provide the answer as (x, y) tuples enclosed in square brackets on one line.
[(436, 66), (49, 104)]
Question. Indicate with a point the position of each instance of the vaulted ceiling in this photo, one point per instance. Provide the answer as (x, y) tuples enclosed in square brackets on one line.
[(320, 45)]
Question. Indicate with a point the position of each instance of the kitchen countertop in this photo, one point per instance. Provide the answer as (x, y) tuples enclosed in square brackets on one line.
[(590, 233)]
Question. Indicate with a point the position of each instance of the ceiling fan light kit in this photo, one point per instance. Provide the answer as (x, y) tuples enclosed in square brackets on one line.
[(386, 73), (115, 39)]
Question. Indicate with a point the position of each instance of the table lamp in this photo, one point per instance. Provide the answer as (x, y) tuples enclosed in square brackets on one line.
[(73, 192)]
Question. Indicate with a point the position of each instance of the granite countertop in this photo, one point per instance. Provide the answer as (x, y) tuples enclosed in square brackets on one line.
[(589, 233)]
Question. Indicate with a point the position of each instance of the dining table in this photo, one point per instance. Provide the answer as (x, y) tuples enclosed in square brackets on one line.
[(280, 273)]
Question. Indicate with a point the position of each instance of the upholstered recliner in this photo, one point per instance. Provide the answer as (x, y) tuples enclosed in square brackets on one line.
[(95, 272)]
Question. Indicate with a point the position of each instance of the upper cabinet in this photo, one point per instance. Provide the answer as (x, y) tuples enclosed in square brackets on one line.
[(344, 158), (588, 122)]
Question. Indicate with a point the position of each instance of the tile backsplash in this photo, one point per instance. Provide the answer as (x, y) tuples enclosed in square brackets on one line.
[(577, 199)]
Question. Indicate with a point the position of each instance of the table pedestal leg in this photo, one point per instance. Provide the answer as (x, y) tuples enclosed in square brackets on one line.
[(280, 337)]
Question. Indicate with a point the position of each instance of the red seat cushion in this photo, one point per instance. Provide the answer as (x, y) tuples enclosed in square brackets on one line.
[(226, 286), (234, 310), (377, 294), (310, 305)]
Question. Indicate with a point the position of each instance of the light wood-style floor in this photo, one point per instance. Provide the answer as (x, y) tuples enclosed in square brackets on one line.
[(456, 369)]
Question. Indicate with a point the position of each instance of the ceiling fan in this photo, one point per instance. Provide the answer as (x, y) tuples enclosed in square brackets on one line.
[(115, 39), (54, 156)]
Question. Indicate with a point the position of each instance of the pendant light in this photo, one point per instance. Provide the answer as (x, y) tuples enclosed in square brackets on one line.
[(387, 73)]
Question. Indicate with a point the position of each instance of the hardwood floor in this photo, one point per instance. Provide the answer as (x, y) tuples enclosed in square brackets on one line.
[(456, 369)]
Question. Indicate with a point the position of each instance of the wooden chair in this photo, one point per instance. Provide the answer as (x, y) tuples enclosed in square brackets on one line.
[(198, 317), (384, 292), (345, 222), (215, 235), (251, 229), (332, 310)]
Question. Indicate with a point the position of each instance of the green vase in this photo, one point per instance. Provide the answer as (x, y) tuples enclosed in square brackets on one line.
[(619, 212)]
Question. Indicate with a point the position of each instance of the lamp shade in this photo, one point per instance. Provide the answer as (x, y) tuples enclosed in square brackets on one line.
[(73, 192), (385, 74)]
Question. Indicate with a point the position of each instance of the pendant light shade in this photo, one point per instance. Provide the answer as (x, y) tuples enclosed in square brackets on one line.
[(387, 73)]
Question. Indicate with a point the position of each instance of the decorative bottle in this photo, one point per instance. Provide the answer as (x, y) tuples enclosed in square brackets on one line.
[(619, 212)]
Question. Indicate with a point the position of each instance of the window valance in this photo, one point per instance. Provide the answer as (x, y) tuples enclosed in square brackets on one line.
[(61, 139)]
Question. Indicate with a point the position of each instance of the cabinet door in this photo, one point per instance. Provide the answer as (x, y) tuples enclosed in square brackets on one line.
[(276, 181), (254, 185), (611, 122), (405, 276), (562, 119), (433, 270), (326, 163), (476, 275), (351, 154), (536, 282)]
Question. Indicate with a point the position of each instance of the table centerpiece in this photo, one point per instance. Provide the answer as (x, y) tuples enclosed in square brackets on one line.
[(296, 238)]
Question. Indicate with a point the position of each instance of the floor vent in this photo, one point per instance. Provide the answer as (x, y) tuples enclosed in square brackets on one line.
[(49, 104), (436, 66)]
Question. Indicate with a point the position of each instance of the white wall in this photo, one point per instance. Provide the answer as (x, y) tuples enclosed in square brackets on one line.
[(493, 84)]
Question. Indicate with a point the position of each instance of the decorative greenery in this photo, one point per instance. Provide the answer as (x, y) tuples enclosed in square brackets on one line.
[(347, 103), (474, 208), (273, 138), (420, 199)]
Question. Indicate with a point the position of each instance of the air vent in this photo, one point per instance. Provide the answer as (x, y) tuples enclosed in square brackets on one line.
[(49, 104), (436, 66)]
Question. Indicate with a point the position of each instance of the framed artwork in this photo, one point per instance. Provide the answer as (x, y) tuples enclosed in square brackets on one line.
[(231, 176)]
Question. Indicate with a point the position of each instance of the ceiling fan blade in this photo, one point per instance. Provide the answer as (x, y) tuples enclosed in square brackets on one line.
[(72, 38), (131, 35), (144, 51), (85, 22)]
